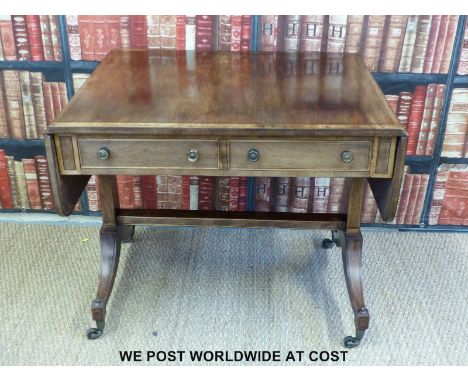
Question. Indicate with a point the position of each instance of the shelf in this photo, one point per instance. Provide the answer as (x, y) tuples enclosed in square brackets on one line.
[(414, 78), (461, 80), (454, 160), (31, 65), (20, 148), (420, 164), (416, 227), (84, 66)]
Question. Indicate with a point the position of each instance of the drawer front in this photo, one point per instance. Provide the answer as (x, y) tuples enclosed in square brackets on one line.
[(300, 155), (148, 154)]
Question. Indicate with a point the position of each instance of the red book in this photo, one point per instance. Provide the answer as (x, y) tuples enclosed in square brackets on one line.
[(205, 193), (236, 32), (85, 26), (299, 194), (55, 98), (62, 95), (243, 193), (180, 32), (137, 197), (5, 189), (415, 118), (439, 44), (48, 102), (439, 192), (185, 193), (3, 116), (448, 44), (431, 45), (100, 38), (46, 35), (138, 32), (45, 189), (413, 196), (310, 39), (203, 32), (33, 24), (269, 33), (452, 211), (245, 34), (7, 37), (55, 33), (435, 118), (420, 199), (426, 119), (262, 194), (148, 191), (32, 184), (125, 31), (21, 37), (113, 32), (125, 190), (463, 62), (38, 102), (223, 193), (234, 184), (174, 192)]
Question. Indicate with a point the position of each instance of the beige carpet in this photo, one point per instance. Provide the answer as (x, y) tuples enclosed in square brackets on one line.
[(228, 289)]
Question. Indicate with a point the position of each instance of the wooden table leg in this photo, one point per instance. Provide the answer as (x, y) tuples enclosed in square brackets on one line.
[(110, 238), (350, 242)]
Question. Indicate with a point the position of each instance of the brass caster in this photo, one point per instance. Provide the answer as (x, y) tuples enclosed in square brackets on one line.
[(327, 243), (352, 342), (94, 333)]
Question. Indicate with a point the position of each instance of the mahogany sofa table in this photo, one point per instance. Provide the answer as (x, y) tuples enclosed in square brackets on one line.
[(148, 112)]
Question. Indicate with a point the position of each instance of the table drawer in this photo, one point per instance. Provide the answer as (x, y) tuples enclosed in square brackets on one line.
[(148, 153), (300, 155)]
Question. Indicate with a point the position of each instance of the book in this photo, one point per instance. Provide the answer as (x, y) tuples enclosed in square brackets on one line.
[(223, 193), (281, 194), (439, 192), (125, 191), (125, 31), (5, 187), (174, 192), (242, 206), (203, 32), (28, 107), (428, 110), (435, 118), (311, 32), (149, 191), (93, 194), (85, 27), (392, 45), (33, 25), (415, 118), (457, 124), (448, 44), (291, 35), (420, 44), (137, 196), (245, 33), (190, 31), (408, 44), (354, 29), (181, 21), (7, 38), (369, 206), (404, 199), (167, 26), (336, 33), (45, 190), (3, 111), (185, 193), (54, 31), (73, 37), (15, 195), (14, 105), (262, 194), (452, 211), (138, 38), (100, 39), (373, 41), (236, 32), (299, 194), (421, 195), (268, 38), (194, 192), (113, 32), (413, 195), (46, 35), (234, 184), (20, 34), (224, 33), (392, 101), (37, 96), (48, 102), (206, 193), (321, 194), (431, 45), (153, 31), (439, 44), (463, 61), (336, 195)]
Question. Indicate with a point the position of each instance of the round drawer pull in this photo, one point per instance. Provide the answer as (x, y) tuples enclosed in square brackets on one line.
[(347, 156), (192, 155), (253, 155), (103, 153)]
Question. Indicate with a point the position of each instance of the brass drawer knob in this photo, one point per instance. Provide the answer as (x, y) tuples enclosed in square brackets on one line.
[(103, 153), (192, 155), (347, 156), (253, 155)]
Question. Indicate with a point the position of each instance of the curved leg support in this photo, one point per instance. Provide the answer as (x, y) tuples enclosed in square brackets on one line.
[(352, 264), (127, 233), (110, 237)]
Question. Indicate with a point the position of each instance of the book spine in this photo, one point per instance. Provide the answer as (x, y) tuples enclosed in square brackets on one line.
[(125, 31), (234, 182), (292, 24), (137, 195), (206, 193), (404, 200), (404, 107), (46, 35), (268, 33), (55, 33), (465, 194), (92, 194), (74, 37), (415, 118), (299, 194), (28, 108), (113, 32), (420, 45), (194, 192), (32, 184), (456, 127), (311, 32), (14, 104), (243, 193), (7, 39), (236, 31), (48, 102), (449, 202), (413, 196), (174, 192), (100, 38), (161, 191), (125, 190), (245, 33), (85, 27), (435, 118), (262, 194), (281, 194), (335, 198), (138, 27), (5, 188), (419, 204), (336, 33), (439, 45), (21, 37), (55, 98), (45, 190), (190, 32), (148, 191), (3, 111), (373, 42), (321, 194), (448, 44), (33, 24), (15, 195), (180, 32), (185, 193), (168, 32), (462, 63), (354, 29), (223, 193), (224, 33), (429, 60), (408, 44), (393, 43), (428, 110), (62, 95), (456, 190), (153, 31), (203, 32)]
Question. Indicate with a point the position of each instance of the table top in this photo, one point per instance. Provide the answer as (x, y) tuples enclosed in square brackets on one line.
[(170, 91)]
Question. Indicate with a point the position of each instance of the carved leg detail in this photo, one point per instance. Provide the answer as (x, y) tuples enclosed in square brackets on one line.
[(127, 233), (110, 237), (352, 264)]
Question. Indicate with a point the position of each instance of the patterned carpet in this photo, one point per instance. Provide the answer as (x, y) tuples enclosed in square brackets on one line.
[(189, 289)]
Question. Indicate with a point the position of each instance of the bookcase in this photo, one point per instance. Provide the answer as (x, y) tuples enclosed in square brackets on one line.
[(390, 83)]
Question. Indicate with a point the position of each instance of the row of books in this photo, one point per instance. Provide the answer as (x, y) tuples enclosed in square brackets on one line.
[(456, 130), (28, 103), (419, 112), (25, 184), (450, 198), (463, 63), (30, 37), (92, 37), (417, 44)]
